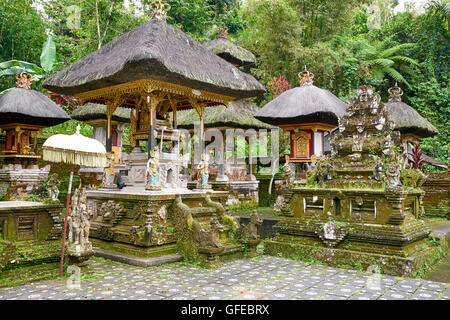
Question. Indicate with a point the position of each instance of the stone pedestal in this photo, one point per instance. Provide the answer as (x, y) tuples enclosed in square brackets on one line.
[(30, 233), (18, 182)]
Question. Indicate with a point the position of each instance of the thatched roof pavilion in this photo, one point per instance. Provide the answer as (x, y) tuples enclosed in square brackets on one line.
[(304, 104), (26, 106), (308, 113), (23, 114), (159, 51), (238, 114), (95, 111), (155, 68), (229, 51), (407, 120)]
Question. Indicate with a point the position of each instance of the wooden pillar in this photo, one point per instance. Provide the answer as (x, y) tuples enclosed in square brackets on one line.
[(111, 107), (201, 109), (174, 112), (153, 99), (151, 135)]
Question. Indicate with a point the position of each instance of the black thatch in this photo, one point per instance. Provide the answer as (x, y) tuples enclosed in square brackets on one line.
[(154, 50), (408, 120), (238, 114), (26, 106), (231, 52), (303, 104), (93, 111)]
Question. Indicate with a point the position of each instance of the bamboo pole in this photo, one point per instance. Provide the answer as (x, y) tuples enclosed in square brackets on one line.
[(61, 264)]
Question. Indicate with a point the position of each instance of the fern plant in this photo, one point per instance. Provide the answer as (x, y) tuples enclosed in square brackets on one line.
[(378, 60)]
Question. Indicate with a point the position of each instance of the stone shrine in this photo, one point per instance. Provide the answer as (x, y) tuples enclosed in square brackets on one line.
[(354, 209)]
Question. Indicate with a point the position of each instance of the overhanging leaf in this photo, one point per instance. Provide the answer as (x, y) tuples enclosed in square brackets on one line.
[(48, 54)]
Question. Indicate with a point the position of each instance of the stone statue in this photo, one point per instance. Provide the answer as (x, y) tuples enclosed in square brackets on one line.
[(393, 177), (357, 145), (109, 210), (288, 174), (341, 124), (79, 248), (379, 168), (53, 187), (250, 231), (203, 170), (211, 237), (152, 172), (330, 233)]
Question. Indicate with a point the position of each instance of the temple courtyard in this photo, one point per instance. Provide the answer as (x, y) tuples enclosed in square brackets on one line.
[(263, 278)]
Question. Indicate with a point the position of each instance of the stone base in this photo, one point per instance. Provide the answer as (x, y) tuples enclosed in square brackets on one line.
[(18, 182), (229, 253), (153, 188), (136, 252), (137, 261), (206, 187), (387, 264)]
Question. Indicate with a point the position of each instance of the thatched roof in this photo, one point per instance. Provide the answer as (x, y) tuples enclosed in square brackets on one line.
[(94, 111), (27, 106), (407, 120), (154, 50), (238, 114), (229, 51), (303, 104)]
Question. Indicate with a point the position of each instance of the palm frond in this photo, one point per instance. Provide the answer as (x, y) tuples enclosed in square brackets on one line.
[(390, 51), (405, 59), (397, 76), (381, 62)]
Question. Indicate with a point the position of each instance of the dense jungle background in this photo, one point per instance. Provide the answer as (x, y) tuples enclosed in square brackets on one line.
[(345, 43)]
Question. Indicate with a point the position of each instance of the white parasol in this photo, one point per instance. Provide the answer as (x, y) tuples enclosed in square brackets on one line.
[(74, 149)]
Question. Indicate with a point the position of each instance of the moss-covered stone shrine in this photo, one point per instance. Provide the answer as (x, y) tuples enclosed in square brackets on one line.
[(357, 207)]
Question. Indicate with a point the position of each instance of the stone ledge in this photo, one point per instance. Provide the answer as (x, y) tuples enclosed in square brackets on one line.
[(137, 261), (392, 265)]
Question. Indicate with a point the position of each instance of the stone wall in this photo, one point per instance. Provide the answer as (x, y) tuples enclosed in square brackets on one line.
[(437, 197)]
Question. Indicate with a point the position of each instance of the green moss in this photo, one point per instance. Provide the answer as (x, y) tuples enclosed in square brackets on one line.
[(411, 178)]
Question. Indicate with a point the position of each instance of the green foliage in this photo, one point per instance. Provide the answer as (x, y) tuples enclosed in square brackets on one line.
[(48, 54), (411, 178)]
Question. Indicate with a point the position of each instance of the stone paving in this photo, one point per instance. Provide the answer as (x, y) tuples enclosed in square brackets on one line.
[(261, 278)]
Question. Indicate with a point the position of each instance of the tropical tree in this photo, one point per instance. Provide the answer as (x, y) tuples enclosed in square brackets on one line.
[(48, 57), (378, 60)]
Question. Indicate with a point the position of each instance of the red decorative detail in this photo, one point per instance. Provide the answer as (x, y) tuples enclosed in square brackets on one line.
[(278, 85)]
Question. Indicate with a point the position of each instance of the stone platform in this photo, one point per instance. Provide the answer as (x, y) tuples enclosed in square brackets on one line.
[(30, 232), (153, 224)]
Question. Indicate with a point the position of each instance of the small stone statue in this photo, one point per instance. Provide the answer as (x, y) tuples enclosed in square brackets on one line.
[(152, 172), (379, 168), (211, 238), (53, 187), (203, 170), (250, 231), (360, 127), (341, 124), (387, 146), (357, 145), (279, 203), (393, 177), (288, 174)]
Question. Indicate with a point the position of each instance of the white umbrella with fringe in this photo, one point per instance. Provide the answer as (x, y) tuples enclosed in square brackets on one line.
[(74, 149)]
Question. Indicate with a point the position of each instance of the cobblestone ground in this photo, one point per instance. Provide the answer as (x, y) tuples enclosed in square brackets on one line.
[(262, 278)]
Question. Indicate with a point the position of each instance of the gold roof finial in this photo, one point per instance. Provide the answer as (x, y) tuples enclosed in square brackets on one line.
[(395, 93), (306, 78), (223, 33), (160, 9), (24, 79)]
